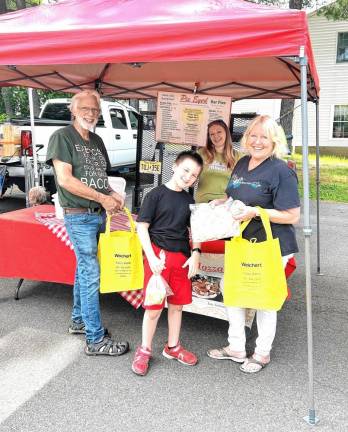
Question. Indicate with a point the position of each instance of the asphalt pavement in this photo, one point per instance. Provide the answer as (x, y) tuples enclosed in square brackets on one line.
[(47, 383)]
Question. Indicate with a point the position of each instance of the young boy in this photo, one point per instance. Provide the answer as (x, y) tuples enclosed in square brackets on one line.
[(162, 224)]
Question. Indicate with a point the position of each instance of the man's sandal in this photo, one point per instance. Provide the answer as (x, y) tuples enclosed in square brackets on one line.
[(106, 347), (226, 354), (253, 365)]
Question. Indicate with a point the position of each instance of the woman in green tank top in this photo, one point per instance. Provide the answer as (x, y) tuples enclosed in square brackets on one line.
[(219, 160)]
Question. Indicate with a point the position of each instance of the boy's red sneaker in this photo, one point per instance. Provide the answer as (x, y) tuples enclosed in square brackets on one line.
[(141, 360), (179, 353)]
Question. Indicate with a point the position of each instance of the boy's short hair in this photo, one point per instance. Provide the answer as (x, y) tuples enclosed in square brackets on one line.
[(190, 154)]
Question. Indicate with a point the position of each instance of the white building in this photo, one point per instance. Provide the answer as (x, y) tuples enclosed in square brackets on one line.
[(330, 46), (270, 107)]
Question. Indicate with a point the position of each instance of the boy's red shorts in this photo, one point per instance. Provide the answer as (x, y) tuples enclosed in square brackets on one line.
[(176, 277)]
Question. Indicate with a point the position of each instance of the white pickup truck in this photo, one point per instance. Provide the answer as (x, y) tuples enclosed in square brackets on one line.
[(117, 126)]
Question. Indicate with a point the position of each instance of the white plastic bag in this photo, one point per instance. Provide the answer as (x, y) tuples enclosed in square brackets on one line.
[(157, 288), (215, 222)]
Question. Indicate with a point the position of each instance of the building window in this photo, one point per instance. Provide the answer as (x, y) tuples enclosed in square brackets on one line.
[(340, 122), (342, 47)]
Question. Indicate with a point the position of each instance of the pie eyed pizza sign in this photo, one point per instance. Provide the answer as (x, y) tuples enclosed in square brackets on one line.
[(183, 118)]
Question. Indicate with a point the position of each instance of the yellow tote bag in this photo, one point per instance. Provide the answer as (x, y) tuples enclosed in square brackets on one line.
[(254, 274), (120, 259)]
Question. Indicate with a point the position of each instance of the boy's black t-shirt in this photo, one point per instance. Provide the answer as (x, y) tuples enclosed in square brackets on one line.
[(271, 185), (168, 214)]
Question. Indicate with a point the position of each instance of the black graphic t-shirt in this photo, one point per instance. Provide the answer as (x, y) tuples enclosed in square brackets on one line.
[(168, 214), (89, 161), (271, 185)]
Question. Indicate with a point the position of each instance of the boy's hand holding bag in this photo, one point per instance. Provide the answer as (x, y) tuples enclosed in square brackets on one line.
[(120, 258), (254, 274), (157, 288)]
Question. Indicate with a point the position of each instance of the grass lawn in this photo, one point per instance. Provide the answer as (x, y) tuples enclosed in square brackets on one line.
[(333, 177)]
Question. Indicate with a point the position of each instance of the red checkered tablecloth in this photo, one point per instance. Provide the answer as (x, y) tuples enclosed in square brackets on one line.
[(120, 222)]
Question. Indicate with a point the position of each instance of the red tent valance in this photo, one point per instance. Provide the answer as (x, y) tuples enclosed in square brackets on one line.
[(133, 48)]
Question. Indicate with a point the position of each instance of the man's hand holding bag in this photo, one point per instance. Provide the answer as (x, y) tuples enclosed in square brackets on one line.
[(120, 258)]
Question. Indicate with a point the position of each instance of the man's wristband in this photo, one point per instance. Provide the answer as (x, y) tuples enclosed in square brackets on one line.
[(196, 250)]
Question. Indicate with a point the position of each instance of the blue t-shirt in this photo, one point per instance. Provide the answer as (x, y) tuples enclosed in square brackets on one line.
[(271, 185)]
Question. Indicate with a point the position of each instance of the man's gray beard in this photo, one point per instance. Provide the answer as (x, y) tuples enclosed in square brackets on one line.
[(85, 125)]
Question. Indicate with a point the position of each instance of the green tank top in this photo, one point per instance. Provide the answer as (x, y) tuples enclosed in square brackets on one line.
[(213, 180)]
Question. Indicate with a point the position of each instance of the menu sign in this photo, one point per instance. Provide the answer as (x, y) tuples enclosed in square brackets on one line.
[(183, 118)]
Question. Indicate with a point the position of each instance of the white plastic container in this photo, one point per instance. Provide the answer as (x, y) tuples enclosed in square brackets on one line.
[(118, 184), (58, 208)]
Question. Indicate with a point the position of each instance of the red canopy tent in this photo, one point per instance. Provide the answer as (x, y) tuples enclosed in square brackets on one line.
[(134, 48)]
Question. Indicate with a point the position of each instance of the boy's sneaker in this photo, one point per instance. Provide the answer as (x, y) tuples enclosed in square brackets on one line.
[(77, 328), (141, 360), (179, 353)]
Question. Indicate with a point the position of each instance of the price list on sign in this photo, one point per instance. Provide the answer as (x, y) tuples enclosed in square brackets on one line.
[(183, 118)]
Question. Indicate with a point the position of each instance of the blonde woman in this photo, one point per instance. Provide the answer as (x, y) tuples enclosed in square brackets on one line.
[(219, 159), (261, 179)]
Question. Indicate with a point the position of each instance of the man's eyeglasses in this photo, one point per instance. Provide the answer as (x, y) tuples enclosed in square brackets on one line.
[(86, 110)]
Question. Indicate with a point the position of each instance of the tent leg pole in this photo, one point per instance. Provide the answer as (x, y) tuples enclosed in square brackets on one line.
[(317, 181), (307, 230), (311, 419), (137, 188), (32, 126)]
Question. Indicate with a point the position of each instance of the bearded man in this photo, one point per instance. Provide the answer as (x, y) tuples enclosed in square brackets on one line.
[(80, 163)]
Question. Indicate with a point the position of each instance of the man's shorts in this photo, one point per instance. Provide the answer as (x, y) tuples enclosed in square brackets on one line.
[(176, 277)]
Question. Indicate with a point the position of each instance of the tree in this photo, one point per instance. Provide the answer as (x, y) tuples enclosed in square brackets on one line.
[(14, 100), (290, 4), (3, 7), (6, 93), (337, 11)]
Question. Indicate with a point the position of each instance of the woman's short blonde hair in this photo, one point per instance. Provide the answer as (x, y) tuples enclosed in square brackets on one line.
[(273, 131), (82, 94)]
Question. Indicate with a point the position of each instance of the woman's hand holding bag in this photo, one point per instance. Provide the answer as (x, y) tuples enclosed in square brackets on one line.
[(254, 274)]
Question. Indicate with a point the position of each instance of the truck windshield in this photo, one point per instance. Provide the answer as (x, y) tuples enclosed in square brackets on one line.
[(61, 111), (56, 112)]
